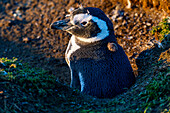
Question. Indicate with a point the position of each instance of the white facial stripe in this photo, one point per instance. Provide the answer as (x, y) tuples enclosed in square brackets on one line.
[(101, 24), (72, 47), (81, 18)]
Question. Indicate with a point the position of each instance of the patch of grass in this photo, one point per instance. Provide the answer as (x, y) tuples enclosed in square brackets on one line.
[(157, 92), (162, 30), (27, 89), (31, 79)]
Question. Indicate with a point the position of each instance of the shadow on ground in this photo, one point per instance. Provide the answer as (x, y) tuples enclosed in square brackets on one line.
[(153, 55), (28, 54)]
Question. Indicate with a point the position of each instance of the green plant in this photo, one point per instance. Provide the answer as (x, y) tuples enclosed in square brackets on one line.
[(157, 91), (31, 79), (7, 67), (28, 89), (162, 30)]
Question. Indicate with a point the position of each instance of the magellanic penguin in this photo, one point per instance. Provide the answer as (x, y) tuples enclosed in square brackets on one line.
[(95, 70)]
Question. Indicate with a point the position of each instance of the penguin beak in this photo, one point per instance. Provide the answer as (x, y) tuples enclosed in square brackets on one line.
[(61, 25)]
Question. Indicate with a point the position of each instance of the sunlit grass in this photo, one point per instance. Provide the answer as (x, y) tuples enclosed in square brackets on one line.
[(162, 30)]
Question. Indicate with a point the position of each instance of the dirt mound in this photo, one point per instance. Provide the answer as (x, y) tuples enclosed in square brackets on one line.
[(26, 34)]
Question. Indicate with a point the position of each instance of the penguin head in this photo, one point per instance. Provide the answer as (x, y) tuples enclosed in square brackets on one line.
[(86, 24)]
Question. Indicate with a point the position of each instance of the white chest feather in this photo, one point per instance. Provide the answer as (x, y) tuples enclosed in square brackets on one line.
[(72, 47), (81, 81)]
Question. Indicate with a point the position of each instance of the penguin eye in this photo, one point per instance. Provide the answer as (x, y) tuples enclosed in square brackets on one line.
[(84, 23)]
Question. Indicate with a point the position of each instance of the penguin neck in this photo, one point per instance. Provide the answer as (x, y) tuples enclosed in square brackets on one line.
[(109, 38)]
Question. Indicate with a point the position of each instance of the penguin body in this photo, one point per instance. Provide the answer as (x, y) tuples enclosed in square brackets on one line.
[(95, 70)]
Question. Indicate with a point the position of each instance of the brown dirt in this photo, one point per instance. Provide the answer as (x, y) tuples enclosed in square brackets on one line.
[(26, 34)]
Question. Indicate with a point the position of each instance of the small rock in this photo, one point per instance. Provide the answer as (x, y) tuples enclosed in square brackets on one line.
[(54, 51), (117, 26), (130, 37), (114, 17), (18, 12), (38, 37), (129, 4), (141, 15), (70, 9), (150, 43), (144, 26), (120, 18), (15, 15), (26, 40), (136, 14), (148, 24)]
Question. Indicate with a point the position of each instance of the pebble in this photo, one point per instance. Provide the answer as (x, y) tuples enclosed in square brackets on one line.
[(148, 24), (38, 37), (129, 4), (141, 15), (136, 14), (150, 43), (26, 40), (114, 17), (117, 26), (130, 37), (70, 9), (14, 15), (144, 26), (120, 18)]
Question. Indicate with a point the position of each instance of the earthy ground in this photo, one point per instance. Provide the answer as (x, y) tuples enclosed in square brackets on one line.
[(25, 32)]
